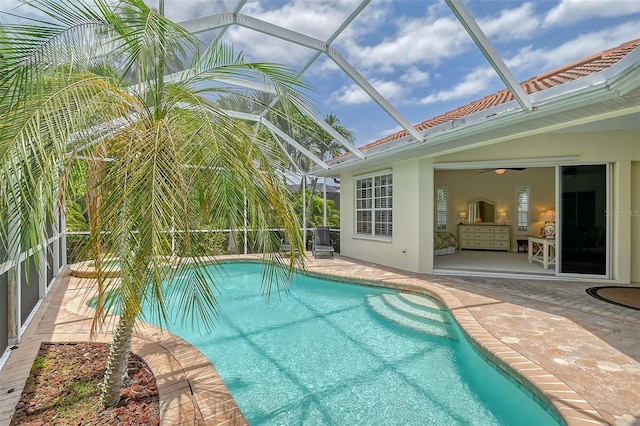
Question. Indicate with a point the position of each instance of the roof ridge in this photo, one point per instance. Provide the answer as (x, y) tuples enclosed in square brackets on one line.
[(569, 72), (600, 55)]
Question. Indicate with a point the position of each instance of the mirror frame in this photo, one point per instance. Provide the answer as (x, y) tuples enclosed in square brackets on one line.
[(471, 214)]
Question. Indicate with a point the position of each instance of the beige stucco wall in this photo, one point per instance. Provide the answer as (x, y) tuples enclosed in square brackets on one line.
[(402, 251), (609, 146), (411, 247), (635, 221)]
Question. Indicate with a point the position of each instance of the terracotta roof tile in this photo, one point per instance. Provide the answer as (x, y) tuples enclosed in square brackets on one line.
[(566, 73)]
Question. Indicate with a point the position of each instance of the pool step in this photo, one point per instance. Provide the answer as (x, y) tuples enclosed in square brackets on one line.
[(421, 301), (393, 312), (416, 311)]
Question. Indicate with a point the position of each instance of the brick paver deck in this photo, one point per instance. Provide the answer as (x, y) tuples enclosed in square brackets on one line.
[(579, 353)]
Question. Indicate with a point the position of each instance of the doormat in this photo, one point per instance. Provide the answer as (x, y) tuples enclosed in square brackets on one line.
[(629, 297)]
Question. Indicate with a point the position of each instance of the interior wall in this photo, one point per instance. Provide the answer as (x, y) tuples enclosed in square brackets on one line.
[(467, 185)]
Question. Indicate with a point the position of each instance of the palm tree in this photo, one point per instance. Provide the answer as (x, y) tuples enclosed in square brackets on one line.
[(325, 146), (93, 82)]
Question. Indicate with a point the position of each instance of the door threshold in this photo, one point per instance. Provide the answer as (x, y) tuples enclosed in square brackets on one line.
[(499, 274)]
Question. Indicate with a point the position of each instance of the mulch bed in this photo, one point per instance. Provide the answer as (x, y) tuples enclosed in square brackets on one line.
[(64, 372)]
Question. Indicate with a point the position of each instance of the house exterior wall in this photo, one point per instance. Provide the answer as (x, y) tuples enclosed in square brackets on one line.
[(402, 251), (414, 198), (635, 221)]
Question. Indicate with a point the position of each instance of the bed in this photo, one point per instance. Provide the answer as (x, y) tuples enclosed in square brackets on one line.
[(444, 243)]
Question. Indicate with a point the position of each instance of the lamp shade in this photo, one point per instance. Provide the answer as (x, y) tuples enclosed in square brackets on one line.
[(503, 215), (548, 216), (463, 215)]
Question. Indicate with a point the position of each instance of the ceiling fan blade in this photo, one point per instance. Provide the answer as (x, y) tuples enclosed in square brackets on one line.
[(503, 169)]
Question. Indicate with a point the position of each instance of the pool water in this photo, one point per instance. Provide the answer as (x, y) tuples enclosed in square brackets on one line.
[(329, 353)]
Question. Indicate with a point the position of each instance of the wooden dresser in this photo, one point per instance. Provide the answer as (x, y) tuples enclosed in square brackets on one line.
[(484, 237)]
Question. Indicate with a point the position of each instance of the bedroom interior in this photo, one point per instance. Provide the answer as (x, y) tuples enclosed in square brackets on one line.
[(478, 230)]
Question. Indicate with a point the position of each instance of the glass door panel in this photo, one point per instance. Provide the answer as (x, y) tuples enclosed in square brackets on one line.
[(583, 222)]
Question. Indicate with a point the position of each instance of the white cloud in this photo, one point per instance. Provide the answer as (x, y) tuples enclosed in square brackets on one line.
[(520, 23), (413, 75), (326, 65), (353, 94), (474, 83), (180, 11), (314, 18), (350, 95), (426, 40), (571, 11), (541, 60), (265, 48), (308, 17)]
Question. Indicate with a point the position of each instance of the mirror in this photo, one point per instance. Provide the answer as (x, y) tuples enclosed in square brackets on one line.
[(481, 211)]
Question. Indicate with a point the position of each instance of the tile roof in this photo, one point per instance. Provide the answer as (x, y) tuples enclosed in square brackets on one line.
[(566, 73)]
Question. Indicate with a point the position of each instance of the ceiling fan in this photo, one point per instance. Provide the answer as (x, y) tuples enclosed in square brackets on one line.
[(502, 170)]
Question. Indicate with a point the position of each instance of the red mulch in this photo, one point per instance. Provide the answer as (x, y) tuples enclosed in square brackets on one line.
[(64, 374)]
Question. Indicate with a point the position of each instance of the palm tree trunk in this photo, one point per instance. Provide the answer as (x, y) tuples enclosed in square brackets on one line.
[(117, 363)]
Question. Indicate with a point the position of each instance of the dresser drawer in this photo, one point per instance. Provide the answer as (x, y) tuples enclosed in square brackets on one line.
[(501, 244), (484, 236), (467, 236), (502, 230), (484, 244), (467, 244), (501, 237), (483, 229)]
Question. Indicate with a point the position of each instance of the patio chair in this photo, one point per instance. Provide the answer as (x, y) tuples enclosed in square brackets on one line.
[(285, 245), (322, 242)]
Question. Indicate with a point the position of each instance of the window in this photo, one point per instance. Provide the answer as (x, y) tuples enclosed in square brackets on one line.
[(441, 208), (522, 206), (374, 205)]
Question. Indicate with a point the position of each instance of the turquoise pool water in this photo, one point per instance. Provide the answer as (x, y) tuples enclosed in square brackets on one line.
[(327, 354)]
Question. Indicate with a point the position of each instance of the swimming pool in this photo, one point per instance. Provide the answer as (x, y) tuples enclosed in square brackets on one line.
[(332, 353)]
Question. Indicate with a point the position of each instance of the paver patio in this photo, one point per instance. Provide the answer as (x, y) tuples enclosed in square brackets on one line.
[(582, 354)]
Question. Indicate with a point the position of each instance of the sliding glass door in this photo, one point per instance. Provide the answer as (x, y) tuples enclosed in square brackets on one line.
[(583, 226)]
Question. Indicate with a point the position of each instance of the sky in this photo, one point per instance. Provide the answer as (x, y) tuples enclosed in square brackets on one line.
[(415, 52)]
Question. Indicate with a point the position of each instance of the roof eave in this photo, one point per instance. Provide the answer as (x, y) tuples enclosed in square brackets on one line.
[(619, 79)]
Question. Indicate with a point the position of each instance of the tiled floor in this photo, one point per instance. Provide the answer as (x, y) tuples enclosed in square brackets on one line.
[(582, 354)]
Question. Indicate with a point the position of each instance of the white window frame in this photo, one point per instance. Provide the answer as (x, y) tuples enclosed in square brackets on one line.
[(523, 217), (374, 205), (441, 208)]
